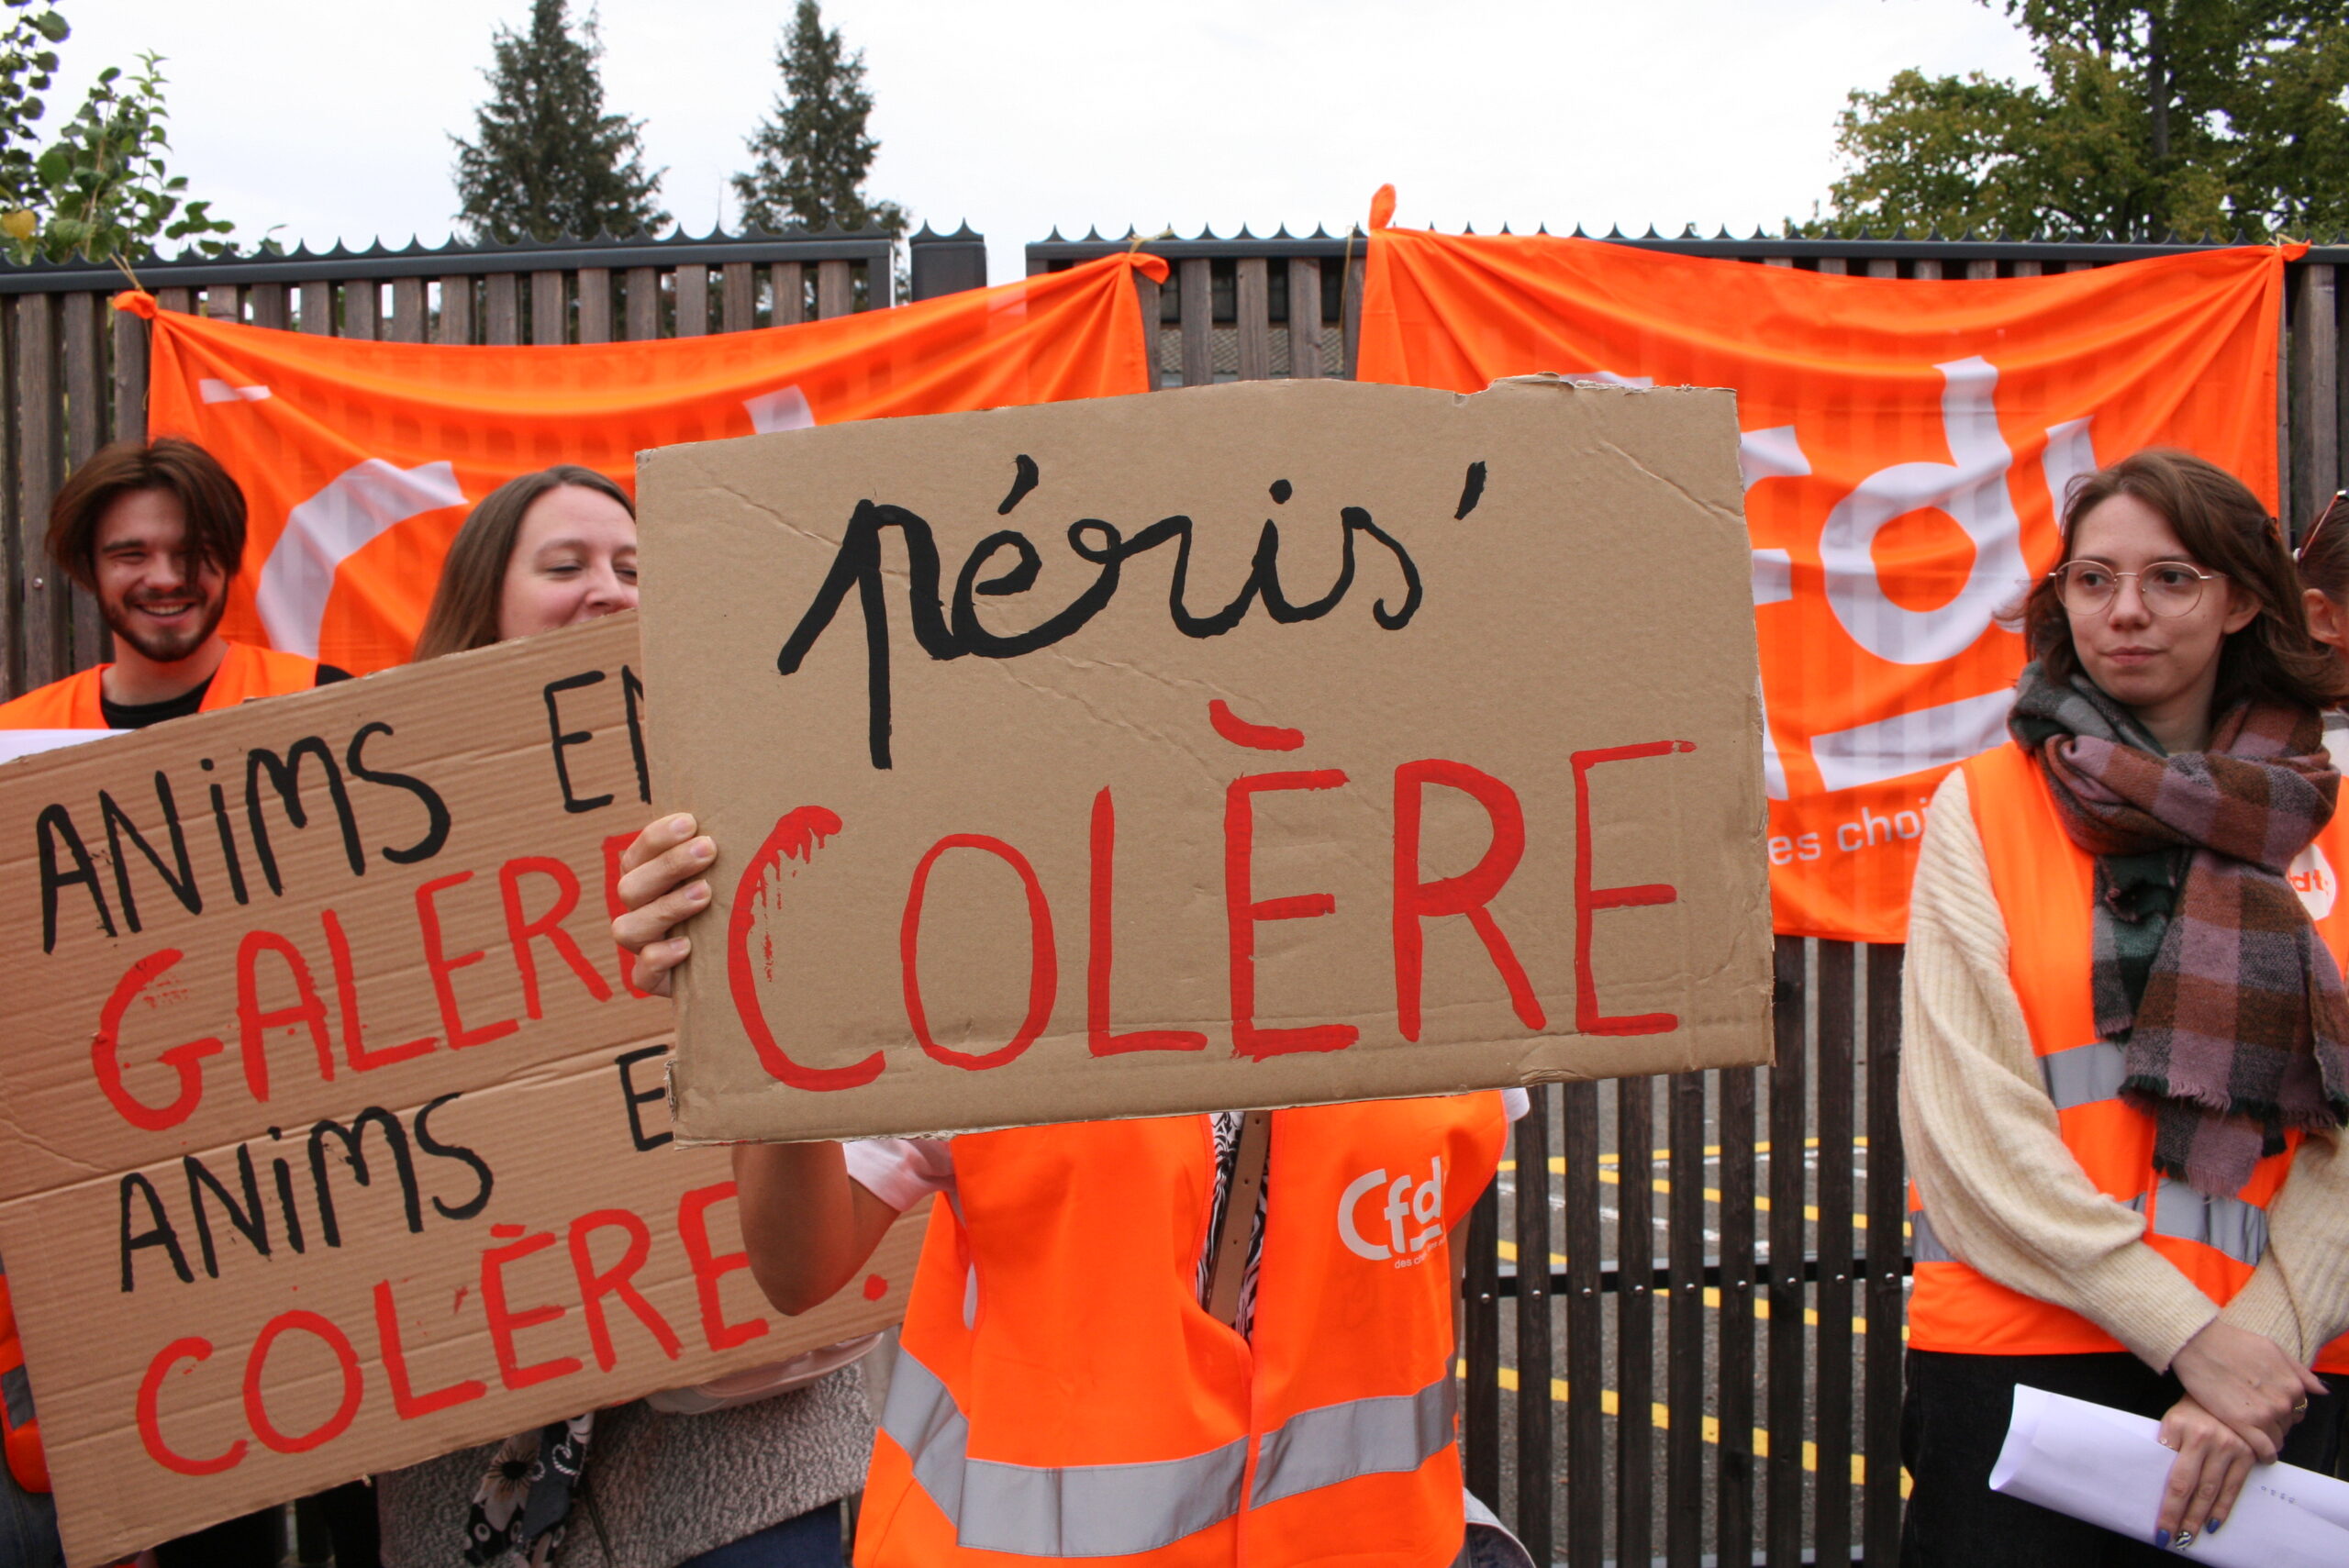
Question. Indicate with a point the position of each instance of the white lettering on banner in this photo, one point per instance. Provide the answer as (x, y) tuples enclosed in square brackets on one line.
[(1971, 490), (785, 408), (1912, 741), (2070, 457), (214, 390), (1422, 1205), (2311, 877), (1774, 453), (359, 505)]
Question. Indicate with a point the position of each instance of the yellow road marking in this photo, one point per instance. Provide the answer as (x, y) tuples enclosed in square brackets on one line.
[(1712, 1151), (1660, 1416)]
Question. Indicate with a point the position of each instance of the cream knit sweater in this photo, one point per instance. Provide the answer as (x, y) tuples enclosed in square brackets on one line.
[(2004, 1193)]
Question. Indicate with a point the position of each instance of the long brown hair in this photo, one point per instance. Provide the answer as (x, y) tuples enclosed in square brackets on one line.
[(2224, 530), (473, 579), (212, 501)]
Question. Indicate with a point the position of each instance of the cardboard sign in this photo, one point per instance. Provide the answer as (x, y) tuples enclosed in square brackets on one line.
[(1265, 744), (333, 1135)]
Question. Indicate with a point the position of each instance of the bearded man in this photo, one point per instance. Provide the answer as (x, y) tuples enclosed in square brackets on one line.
[(156, 530)]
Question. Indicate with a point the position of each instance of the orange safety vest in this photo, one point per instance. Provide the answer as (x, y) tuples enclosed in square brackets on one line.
[(20, 1428), (246, 673), (1062, 1394), (2045, 887)]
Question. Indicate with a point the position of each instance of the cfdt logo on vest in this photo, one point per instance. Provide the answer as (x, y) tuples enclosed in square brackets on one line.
[(1413, 1216)]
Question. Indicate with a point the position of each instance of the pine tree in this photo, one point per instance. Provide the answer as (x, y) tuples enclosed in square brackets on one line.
[(548, 162), (812, 152)]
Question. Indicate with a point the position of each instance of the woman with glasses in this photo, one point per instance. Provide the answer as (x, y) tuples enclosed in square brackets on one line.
[(2126, 1040)]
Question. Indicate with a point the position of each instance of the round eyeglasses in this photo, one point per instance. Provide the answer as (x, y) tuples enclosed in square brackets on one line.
[(2167, 587)]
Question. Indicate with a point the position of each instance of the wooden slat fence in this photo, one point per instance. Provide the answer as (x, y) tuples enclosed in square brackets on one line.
[(76, 369), (1747, 1227)]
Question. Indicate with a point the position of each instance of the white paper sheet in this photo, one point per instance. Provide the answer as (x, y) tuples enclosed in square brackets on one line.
[(15, 743), (2108, 1467)]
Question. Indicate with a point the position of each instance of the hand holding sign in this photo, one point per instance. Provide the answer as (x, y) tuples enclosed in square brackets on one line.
[(662, 886), (339, 1139), (978, 712)]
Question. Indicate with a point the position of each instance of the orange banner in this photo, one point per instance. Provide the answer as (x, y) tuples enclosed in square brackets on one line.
[(359, 458), (1904, 445)]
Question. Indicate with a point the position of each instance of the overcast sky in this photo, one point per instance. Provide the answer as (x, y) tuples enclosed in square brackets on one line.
[(327, 122)]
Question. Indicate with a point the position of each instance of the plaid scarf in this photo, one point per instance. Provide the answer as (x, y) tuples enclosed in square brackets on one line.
[(2206, 967)]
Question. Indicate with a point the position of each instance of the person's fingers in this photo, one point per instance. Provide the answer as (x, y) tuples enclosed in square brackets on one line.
[(2224, 1507), (640, 928), (2311, 1384), (658, 962), (2218, 1465), (2185, 1479), (662, 871), (664, 834)]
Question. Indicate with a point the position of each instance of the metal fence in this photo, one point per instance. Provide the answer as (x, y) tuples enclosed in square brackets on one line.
[(1725, 1277), (1709, 1264)]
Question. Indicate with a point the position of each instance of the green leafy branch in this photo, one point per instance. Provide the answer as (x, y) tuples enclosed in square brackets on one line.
[(27, 68), (103, 189)]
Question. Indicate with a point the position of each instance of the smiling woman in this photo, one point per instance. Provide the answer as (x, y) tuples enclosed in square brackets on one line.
[(542, 550), (744, 1472)]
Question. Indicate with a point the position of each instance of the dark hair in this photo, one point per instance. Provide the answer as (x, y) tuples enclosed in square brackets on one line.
[(214, 503), (2224, 529), (2323, 555), (473, 578)]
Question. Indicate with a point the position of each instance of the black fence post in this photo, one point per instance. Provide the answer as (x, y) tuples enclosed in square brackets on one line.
[(947, 264)]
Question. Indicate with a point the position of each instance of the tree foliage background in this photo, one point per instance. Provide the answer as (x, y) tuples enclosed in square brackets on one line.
[(546, 160), (104, 188), (2149, 116), (811, 153)]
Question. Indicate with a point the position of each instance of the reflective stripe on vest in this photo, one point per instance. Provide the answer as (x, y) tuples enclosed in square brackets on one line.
[(2086, 1074), (1114, 1510), (1077, 1511), (2083, 1074), (1924, 1247), (1389, 1435), (2229, 1225)]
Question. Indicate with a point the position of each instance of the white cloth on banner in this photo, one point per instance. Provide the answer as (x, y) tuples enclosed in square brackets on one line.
[(2109, 1468), (15, 743)]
